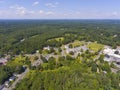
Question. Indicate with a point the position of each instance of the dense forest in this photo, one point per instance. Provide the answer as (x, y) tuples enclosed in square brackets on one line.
[(71, 74), (30, 35)]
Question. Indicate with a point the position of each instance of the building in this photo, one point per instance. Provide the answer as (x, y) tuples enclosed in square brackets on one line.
[(16, 74), (47, 48), (66, 47), (3, 61), (12, 78), (7, 83), (110, 55)]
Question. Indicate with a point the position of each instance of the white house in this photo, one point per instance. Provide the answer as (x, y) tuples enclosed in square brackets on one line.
[(110, 55), (3, 61), (7, 83), (47, 48), (12, 78)]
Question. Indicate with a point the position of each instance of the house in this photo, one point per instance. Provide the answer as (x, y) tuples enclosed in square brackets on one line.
[(111, 56), (47, 48), (66, 47), (37, 51), (7, 83), (7, 57), (16, 74), (3, 61), (22, 40), (12, 78), (115, 35)]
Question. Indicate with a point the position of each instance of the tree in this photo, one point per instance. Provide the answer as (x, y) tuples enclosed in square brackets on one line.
[(94, 67), (51, 63), (71, 53), (116, 52), (70, 46)]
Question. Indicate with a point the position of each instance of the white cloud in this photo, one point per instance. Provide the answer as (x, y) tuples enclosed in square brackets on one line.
[(50, 13), (52, 4), (35, 3), (32, 12), (17, 11), (2, 12), (115, 13), (41, 12), (20, 10)]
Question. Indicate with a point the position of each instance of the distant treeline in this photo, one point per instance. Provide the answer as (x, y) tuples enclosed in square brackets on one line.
[(27, 36)]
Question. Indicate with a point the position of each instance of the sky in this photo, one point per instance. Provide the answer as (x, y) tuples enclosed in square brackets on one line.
[(59, 9)]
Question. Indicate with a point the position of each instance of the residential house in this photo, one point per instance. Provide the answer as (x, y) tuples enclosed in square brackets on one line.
[(47, 48), (7, 83), (12, 78)]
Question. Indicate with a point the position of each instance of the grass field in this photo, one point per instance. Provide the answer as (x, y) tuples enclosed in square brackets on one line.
[(57, 39), (77, 43), (95, 46)]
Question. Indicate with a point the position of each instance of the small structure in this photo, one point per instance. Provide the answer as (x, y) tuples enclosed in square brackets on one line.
[(47, 48), (16, 74), (104, 72), (115, 35), (12, 78), (37, 51), (22, 40), (7, 83), (3, 61), (111, 56), (66, 47)]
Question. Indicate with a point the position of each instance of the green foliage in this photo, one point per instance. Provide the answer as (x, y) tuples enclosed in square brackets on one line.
[(75, 76), (71, 53), (13, 66), (34, 36), (66, 73), (94, 67), (77, 43), (70, 75), (95, 46), (5, 73)]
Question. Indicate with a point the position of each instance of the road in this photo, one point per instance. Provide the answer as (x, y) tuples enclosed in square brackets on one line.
[(18, 79), (39, 61), (36, 63)]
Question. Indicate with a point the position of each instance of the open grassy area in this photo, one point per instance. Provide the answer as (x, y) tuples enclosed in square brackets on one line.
[(19, 60), (57, 39), (77, 43), (95, 46), (70, 35)]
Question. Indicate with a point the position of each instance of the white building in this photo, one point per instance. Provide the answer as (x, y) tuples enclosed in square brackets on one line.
[(110, 55), (3, 61), (47, 48)]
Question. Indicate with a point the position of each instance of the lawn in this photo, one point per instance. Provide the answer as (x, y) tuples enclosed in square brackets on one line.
[(94, 46), (57, 39), (77, 43)]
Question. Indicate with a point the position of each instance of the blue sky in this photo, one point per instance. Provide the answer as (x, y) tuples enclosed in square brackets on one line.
[(59, 9)]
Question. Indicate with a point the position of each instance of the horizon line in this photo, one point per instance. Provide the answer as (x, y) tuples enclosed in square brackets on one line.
[(59, 19)]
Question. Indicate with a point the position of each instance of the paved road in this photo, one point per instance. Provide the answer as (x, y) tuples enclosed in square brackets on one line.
[(17, 80), (36, 63), (1, 87), (39, 61)]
